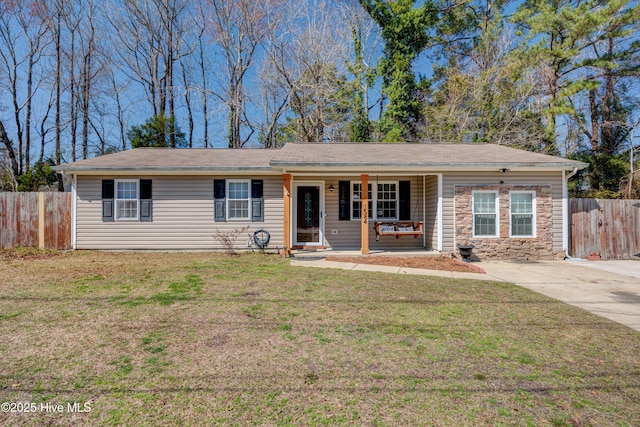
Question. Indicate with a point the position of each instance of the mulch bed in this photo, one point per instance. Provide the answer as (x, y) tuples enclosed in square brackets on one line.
[(426, 262)]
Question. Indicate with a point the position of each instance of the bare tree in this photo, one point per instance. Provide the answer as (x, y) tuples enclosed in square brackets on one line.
[(489, 92), (310, 65), (92, 68), (238, 27), (22, 41), (274, 100), (72, 19), (204, 81), (187, 91), (58, 12), (148, 34)]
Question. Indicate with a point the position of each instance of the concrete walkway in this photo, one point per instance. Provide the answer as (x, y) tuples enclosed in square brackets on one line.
[(610, 289)]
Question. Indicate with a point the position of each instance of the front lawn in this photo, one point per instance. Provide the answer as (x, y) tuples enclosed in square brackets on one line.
[(205, 339)]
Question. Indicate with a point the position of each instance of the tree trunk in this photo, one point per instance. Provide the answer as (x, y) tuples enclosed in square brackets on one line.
[(27, 123), (73, 116), (16, 116), (205, 120), (169, 71), (187, 102), (9, 147), (58, 130), (86, 94), (595, 120)]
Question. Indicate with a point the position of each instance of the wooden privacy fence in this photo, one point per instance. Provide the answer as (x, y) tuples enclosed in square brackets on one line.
[(609, 228), (39, 220)]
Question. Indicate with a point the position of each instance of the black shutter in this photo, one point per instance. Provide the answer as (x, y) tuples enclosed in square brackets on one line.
[(344, 200), (145, 200), (257, 200), (219, 207), (107, 200), (405, 201)]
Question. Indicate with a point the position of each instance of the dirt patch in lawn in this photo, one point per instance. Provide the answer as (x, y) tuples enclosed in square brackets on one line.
[(426, 262), (27, 254)]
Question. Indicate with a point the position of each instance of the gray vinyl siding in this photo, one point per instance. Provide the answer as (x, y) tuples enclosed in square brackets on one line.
[(450, 180), (182, 216), (347, 234)]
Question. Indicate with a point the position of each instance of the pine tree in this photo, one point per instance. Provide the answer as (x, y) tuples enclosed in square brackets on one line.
[(157, 131), (563, 35), (405, 31)]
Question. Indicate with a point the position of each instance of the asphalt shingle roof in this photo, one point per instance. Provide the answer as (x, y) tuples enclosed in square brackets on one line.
[(177, 159), (431, 156), (411, 155)]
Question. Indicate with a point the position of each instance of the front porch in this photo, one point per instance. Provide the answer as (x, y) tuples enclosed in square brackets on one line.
[(352, 252), (333, 213)]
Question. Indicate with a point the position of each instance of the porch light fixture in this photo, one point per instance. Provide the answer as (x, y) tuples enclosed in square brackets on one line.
[(331, 188), (505, 170)]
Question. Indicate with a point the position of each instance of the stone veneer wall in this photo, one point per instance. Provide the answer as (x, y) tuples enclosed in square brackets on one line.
[(504, 247)]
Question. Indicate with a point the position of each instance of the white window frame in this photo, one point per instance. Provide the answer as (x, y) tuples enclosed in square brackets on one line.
[(397, 200), (229, 199), (533, 214), (373, 211), (118, 200), (496, 213)]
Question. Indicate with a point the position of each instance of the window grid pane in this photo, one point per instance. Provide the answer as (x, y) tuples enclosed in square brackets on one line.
[(127, 209), (238, 209), (522, 225), (484, 203), (127, 190), (522, 203), (238, 190), (485, 225)]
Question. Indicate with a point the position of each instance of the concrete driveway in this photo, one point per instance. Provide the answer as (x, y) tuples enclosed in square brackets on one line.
[(609, 289)]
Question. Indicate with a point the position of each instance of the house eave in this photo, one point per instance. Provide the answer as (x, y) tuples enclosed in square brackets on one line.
[(427, 168), (119, 171)]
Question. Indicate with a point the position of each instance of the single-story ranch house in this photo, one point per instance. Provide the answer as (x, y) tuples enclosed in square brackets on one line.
[(508, 203)]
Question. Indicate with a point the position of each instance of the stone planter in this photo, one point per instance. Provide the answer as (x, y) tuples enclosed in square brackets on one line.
[(466, 251)]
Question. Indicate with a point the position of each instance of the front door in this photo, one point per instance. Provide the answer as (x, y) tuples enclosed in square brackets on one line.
[(308, 221)]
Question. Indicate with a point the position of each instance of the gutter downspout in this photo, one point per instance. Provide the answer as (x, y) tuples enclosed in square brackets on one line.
[(565, 210), (440, 209), (424, 212), (74, 211)]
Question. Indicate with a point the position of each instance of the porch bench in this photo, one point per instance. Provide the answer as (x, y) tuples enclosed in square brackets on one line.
[(398, 229)]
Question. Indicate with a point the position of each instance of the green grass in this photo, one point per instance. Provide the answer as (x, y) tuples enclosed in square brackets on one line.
[(206, 339)]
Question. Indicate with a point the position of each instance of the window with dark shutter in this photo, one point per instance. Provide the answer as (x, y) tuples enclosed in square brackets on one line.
[(219, 207), (107, 200), (145, 200), (257, 200)]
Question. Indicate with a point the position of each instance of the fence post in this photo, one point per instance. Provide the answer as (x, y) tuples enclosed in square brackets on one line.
[(40, 220)]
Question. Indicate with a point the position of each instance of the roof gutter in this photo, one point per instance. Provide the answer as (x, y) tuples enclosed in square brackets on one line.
[(125, 170), (421, 166)]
